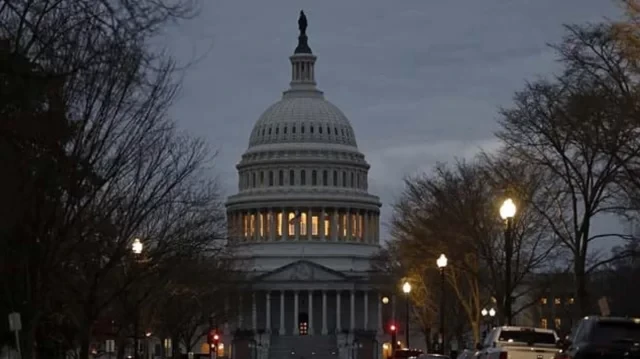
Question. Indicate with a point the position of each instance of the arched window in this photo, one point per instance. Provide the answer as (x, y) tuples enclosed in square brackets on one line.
[(292, 178), (335, 178), (270, 178), (303, 224), (314, 178), (344, 179), (325, 178), (303, 178), (280, 178)]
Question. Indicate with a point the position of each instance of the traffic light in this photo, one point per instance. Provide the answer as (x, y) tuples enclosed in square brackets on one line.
[(394, 340), (213, 338)]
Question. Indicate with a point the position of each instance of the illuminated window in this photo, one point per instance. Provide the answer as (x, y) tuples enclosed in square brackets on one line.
[(571, 301), (314, 225), (543, 301), (303, 224), (252, 225), (245, 225), (292, 224), (361, 227), (557, 323), (354, 225), (304, 328), (327, 226), (543, 323), (557, 301), (279, 224), (343, 223)]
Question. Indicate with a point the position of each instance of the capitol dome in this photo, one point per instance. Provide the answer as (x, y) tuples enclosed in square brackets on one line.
[(304, 230), (303, 183)]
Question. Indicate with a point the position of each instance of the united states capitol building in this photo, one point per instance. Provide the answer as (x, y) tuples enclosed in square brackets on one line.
[(305, 228)]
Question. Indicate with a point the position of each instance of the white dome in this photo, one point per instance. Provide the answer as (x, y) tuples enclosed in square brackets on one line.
[(306, 117)]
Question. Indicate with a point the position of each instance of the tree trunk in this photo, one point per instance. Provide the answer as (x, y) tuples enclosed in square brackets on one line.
[(85, 341), (175, 346), (582, 296)]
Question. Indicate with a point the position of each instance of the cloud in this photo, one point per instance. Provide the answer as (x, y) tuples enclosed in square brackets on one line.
[(421, 81)]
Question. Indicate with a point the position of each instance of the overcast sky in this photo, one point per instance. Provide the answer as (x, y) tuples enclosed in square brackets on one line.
[(420, 80)]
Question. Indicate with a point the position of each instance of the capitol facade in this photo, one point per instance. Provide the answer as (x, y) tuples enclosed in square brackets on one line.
[(306, 230)]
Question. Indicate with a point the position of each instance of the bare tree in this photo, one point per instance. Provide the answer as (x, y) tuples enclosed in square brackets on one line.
[(455, 211), (577, 129), (126, 173)]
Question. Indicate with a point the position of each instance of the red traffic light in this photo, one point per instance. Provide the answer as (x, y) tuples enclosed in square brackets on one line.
[(213, 337), (392, 327)]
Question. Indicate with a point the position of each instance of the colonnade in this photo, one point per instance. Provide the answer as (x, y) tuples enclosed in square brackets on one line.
[(337, 311), (295, 224)]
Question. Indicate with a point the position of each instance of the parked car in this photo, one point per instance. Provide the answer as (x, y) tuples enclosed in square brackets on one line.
[(603, 338)]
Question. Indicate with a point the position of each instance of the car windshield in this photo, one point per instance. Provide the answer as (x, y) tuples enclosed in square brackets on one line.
[(611, 331), (527, 336)]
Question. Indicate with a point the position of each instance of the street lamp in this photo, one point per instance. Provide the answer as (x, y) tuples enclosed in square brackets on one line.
[(507, 213), (442, 264), (136, 248), (385, 300), (406, 288)]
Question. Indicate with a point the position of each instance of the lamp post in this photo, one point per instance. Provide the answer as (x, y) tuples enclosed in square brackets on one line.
[(507, 212), (442, 264), (136, 249), (406, 288), (488, 316)]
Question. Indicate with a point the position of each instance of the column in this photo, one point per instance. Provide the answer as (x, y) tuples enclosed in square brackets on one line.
[(296, 226), (324, 313), (296, 311), (349, 225), (334, 225), (352, 322), (272, 224), (366, 237), (285, 224), (310, 312), (254, 312), (338, 314), (380, 324), (258, 225), (321, 228), (281, 329), (240, 311), (309, 225), (366, 309), (268, 314)]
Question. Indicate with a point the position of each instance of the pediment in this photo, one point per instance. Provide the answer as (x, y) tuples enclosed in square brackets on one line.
[(302, 271)]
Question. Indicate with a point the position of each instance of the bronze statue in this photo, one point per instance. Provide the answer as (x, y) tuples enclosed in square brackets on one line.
[(302, 23)]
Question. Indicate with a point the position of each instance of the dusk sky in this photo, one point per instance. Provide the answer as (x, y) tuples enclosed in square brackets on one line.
[(420, 80)]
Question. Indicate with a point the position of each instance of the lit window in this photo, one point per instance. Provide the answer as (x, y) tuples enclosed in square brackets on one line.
[(304, 328), (279, 224), (543, 323), (543, 301), (327, 226), (303, 224), (343, 220), (354, 225), (245, 225), (557, 323), (557, 301), (292, 224), (252, 225), (314, 225)]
